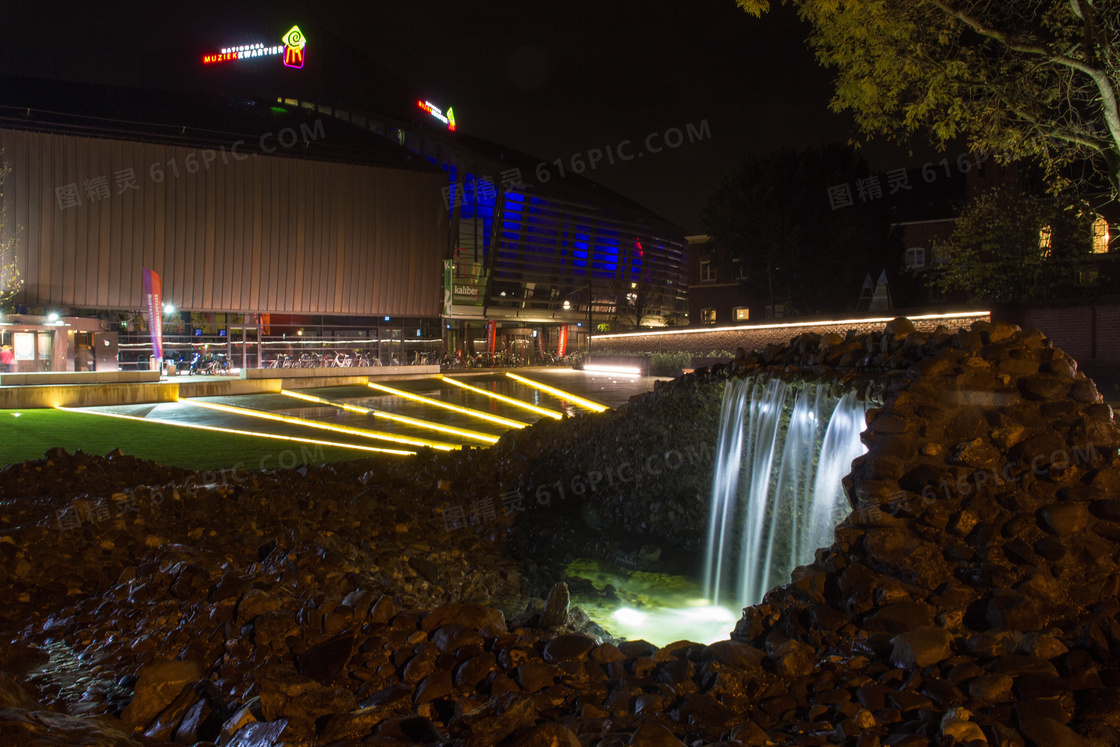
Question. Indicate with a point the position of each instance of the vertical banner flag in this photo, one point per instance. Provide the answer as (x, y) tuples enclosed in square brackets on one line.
[(562, 348), (448, 271), (153, 310), (491, 336)]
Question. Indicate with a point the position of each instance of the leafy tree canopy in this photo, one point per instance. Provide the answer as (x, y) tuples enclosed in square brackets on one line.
[(1038, 80), (773, 225), (1007, 246)]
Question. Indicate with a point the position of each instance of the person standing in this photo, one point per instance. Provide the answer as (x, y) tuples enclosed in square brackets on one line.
[(6, 358)]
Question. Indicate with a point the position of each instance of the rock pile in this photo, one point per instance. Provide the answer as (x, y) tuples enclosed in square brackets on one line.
[(969, 599), (973, 590)]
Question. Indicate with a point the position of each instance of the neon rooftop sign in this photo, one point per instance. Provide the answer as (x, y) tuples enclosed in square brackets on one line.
[(291, 46), (448, 119)]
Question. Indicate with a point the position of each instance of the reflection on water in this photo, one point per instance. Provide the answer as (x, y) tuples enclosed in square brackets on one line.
[(657, 607)]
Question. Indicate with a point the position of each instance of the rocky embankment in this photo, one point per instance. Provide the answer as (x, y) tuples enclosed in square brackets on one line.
[(970, 598)]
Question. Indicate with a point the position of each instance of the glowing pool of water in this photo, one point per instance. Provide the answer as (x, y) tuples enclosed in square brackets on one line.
[(656, 607)]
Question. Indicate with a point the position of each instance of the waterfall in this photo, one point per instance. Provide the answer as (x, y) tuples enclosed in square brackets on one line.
[(776, 492)]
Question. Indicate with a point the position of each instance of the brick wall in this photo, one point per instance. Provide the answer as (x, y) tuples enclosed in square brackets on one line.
[(756, 337), (1088, 332)]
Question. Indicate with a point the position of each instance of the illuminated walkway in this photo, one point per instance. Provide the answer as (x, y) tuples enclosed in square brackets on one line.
[(344, 413)]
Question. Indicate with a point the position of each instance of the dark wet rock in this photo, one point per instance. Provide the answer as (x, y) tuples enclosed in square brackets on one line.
[(548, 735), (326, 661), (733, 653), (555, 612), (14, 695), (475, 616), (899, 617), (1064, 519), (157, 687), (1046, 732), (499, 718), (921, 647), (654, 735), (410, 729), (566, 647), (20, 727)]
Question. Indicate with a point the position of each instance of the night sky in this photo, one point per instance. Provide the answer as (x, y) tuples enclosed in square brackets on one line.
[(551, 79)]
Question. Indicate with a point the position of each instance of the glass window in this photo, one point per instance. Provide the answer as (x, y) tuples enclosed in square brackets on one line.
[(707, 272), (708, 316), (915, 257), (23, 345), (741, 313), (1100, 236)]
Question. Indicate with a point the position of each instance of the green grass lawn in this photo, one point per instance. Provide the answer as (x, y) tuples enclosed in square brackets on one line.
[(27, 434)]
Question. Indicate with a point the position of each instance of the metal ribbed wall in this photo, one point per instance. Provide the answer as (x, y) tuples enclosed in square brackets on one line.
[(263, 234)]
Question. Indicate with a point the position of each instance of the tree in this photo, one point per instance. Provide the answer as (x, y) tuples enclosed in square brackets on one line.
[(773, 220), (1007, 246), (10, 280), (637, 300), (1036, 80)]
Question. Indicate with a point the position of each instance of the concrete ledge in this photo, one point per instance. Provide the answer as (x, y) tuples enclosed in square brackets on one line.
[(54, 378), (320, 381), (85, 395), (336, 372), (203, 387)]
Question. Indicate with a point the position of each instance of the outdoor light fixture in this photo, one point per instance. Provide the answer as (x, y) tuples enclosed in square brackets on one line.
[(597, 368), (508, 400), (52, 317), (792, 325), (168, 308), (463, 432), (236, 432), (436, 403), (567, 305), (594, 406)]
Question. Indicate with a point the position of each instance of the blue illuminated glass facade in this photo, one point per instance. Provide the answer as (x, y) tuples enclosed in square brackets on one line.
[(544, 252)]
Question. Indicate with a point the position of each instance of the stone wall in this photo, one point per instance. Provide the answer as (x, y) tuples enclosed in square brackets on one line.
[(756, 337)]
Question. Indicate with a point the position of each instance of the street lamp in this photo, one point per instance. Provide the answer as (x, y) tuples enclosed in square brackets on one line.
[(568, 305)]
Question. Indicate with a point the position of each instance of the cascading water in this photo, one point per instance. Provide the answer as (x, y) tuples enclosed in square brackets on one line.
[(776, 491)]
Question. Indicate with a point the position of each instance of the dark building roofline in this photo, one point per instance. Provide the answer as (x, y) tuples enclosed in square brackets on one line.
[(194, 120)]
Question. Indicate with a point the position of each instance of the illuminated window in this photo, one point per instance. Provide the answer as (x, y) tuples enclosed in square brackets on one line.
[(708, 316), (707, 272), (915, 257), (1100, 236), (1045, 235), (741, 313)]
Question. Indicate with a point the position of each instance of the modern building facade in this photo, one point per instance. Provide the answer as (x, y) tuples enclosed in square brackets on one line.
[(288, 217)]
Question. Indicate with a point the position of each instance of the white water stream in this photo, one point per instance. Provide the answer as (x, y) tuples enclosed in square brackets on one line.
[(776, 491)]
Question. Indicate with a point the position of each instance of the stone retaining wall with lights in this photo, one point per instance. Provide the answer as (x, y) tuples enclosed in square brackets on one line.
[(699, 341)]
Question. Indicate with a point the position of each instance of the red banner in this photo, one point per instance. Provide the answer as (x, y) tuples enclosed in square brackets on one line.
[(491, 336), (562, 348), (153, 310)]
